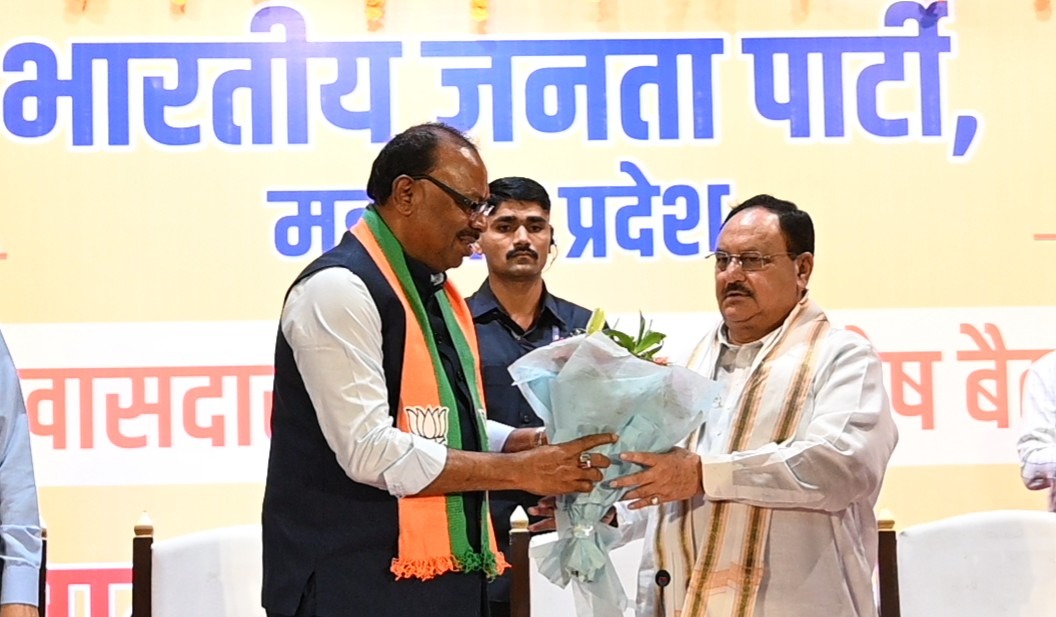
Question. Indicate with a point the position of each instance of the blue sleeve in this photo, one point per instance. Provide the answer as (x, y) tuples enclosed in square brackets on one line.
[(19, 517)]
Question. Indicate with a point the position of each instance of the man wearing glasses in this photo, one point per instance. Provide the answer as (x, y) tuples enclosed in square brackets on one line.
[(374, 502), (768, 510)]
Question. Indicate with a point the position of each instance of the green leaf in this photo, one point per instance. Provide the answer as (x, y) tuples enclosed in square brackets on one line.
[(648, 354), (651, 339), (644, 346), (622, 339)]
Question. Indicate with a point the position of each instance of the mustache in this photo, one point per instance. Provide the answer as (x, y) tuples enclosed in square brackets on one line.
[(736, 287), (522, 251), (470, 234)]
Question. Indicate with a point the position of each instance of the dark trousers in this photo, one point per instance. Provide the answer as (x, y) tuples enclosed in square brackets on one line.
[(306, 608)]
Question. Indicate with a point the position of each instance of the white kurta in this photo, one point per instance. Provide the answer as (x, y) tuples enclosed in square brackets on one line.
[(821, 485), (1037, 443)]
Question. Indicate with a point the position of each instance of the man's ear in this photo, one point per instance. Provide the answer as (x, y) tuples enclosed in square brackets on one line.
[(404, 190), (804, 268), (553, 244)]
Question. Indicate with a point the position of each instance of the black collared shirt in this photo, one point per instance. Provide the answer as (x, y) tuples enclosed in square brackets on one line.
[(502, 342)]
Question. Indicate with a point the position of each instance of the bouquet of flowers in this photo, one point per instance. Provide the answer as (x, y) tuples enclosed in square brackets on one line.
[(605, 381)]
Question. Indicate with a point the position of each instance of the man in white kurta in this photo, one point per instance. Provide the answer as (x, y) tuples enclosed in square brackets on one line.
[(768, 510), (1037, 441)]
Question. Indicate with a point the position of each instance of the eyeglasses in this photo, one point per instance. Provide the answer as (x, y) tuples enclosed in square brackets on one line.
[(749, 262), (469, 205)]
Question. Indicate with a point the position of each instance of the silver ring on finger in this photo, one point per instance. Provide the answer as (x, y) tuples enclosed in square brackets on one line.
[(654, 500), (584, 460)]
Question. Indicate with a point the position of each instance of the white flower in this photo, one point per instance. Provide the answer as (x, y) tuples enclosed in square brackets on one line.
[(428, 422)]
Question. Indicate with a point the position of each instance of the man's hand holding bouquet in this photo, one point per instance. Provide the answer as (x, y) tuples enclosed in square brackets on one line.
[(605, 381)]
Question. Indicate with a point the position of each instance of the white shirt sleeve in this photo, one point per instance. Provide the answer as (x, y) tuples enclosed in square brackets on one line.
[(333, 327), (1037, 441), (840, 457), (498, 433)]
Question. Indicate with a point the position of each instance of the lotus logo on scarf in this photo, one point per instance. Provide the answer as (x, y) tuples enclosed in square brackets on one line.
[(428, 422)]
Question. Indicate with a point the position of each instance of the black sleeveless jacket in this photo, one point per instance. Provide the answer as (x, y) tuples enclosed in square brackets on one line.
[(326, 535)]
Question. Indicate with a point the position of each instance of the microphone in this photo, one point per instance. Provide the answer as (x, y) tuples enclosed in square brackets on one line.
[(663, 579)]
